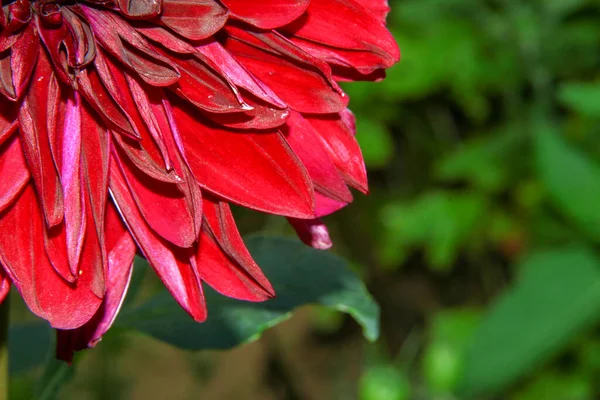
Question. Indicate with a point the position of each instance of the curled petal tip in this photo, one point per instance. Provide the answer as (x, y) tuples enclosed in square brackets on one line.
[(312, 232)]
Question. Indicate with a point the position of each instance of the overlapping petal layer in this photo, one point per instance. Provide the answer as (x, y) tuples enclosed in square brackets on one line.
[(129, 125)]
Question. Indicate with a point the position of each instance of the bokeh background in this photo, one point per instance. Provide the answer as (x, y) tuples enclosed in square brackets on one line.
[(479, 239)]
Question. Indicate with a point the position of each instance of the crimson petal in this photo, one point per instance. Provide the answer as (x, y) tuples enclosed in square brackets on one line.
[(13, 171), (22, 253), (266, 175), (267, 14), (225, 262), (174, 266)]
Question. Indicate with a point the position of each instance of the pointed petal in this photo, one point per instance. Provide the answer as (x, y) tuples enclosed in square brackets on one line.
[(301, 80), (123, 42), (22, 253), (70, 174), (266, 174), (306, 143), (35, 117), (194, 19), (325, 205), (13, 171), (267, 14), (342, 147), (16, 68), (172, 265), (8, 118), (364, 43), (223, 260), (121, 250)]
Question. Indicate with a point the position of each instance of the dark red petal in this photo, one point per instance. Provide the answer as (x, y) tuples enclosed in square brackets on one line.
[(261, 116), (308, 146), (75, 126), (36, 117), (121, 250), (257, 170), (80, 44), (302, 81), (343, 149), (203, 88), (364, 41), (8, 118), (64, 305), (238, 74), (223, 260), (95, 160), (13, 171), (91, 87), (173, 265), (325, 205), (162, 205), (194, 19), (312, 232), (267, 14), (4, 284), (378, 8), (17, 65), (129, 47)]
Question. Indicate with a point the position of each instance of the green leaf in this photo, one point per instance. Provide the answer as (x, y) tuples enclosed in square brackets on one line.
[(442, 222), (555, 299), (581, 97), (28, 345), (55, 375), (300, 276), (375, 141), (571, 178)]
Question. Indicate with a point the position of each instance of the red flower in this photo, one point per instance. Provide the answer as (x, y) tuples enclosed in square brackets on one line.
[(129, 125)]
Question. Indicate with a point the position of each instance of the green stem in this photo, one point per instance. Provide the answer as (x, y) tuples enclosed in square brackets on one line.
[(4, 307)]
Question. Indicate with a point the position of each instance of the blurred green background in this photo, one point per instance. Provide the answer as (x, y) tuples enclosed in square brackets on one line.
[(479, 239)]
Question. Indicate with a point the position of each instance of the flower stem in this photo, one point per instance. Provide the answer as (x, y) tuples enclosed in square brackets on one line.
[(4, 307)]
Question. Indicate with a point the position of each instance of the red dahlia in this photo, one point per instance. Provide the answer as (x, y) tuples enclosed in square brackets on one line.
[(129, 125)]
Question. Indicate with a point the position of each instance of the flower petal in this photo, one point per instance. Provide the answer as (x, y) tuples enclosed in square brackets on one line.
[(172, 265), (223, 260), (266, 174), (267, 14), (194, 19), (13, 171), (312, 232), (36, 119), (22, 253)]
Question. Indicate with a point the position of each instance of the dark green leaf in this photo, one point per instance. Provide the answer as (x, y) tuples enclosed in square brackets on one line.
[(56, 374), (300, 276), (557, 296), (28, 345)]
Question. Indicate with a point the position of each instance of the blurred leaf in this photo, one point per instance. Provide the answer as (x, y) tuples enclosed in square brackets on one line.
[(572, 179), (583, 98), (556, 297), (557, 386), (482, 161), (443, 360), (440, 221), (375, 141), (442, 367), (300, 276), (56, 374), (383, 382), (28, 345)]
